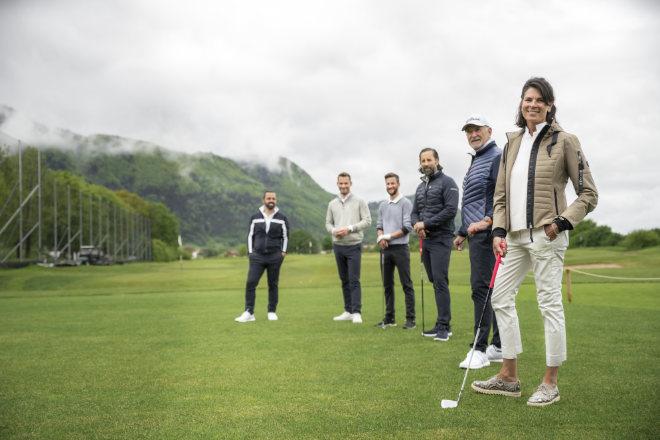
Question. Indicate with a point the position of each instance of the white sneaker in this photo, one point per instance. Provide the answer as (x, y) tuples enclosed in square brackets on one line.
[(479, 360), (272, 316), (357, 318), (344, 317), (245, 317), (494, 354)]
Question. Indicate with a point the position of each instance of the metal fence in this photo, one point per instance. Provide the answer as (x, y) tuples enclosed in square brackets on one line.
[(83, 228)]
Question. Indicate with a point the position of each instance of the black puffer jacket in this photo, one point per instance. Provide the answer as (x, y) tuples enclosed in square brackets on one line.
[(436, 204)]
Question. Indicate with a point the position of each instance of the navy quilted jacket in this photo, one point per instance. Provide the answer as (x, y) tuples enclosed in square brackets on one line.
[(479, 186)]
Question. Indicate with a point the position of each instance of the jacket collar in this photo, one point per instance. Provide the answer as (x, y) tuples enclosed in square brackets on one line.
[(483, 149), (426, 179), (516, 134), (262, 209)]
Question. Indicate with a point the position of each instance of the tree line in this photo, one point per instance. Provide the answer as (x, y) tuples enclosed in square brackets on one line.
[(587, 234), (67, 189)]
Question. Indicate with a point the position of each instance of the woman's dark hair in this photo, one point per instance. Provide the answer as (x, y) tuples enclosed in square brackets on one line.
[(545, 89)]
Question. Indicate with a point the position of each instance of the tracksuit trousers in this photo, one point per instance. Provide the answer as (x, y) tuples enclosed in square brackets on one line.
[(546, 259), (271, 263)]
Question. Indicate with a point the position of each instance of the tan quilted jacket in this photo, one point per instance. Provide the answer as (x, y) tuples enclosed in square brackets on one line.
[(556, 157)]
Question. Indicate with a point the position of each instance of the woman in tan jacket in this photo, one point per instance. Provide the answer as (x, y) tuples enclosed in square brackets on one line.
[(531, 220)]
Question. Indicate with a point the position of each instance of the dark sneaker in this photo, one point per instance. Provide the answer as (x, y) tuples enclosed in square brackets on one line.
[(386, 323), (544, 395), (409, 324), (442, 335), (495, 385), (431, 333)]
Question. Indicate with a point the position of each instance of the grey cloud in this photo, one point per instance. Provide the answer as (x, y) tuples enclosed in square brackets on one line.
[(360, 86)]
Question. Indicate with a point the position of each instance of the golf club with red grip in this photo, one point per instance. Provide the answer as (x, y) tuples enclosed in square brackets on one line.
[(454, 403)]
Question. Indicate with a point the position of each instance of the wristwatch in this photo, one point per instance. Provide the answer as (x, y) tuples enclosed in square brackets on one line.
[(488, 220)]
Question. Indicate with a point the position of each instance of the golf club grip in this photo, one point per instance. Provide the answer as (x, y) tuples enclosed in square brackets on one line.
[(420, 246), (497, 265)]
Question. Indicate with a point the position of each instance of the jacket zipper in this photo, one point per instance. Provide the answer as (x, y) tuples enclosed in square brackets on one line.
[(531, 172), (580, 172)]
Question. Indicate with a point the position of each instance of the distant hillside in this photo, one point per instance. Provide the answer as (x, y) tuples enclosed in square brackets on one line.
[(213, 197)]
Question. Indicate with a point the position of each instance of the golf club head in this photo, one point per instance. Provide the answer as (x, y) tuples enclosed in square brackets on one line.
[(448, 403)]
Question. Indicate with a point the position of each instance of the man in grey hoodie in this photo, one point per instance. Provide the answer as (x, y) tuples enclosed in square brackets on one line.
[(348, 215)]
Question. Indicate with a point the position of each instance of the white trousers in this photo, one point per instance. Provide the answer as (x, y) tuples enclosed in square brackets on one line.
[(546, 259)]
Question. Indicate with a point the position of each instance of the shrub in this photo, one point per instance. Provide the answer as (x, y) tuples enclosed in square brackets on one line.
[(162, 252), (641, 239), (326, 244), (242, 251), (210, 252)]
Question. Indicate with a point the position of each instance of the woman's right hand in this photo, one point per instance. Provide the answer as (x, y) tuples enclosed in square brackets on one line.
[(499, 246)]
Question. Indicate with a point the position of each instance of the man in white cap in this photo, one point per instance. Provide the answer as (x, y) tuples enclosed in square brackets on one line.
[(476, 216)]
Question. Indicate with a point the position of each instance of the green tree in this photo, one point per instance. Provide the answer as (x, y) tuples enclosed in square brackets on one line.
[(641, 239), (242, 251), (302, 242), (164, 224), (326, 244), (588, 234), (162, 252)]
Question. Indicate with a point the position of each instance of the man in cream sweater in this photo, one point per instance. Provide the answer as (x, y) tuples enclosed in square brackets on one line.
[(347, 216)]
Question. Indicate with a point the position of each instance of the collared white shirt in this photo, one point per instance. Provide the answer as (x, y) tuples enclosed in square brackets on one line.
[(518, 182), (267, 218), (396, 199)]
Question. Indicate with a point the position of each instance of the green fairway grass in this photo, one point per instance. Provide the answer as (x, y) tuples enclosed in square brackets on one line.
[(151, 351)]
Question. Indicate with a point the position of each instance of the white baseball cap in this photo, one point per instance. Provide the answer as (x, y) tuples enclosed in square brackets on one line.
[(476, 119)]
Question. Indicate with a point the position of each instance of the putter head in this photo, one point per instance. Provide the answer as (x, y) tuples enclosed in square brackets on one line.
[(448, 403)]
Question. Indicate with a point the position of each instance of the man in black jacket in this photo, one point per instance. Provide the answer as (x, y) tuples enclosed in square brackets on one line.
[(434, 209), (267, 243)]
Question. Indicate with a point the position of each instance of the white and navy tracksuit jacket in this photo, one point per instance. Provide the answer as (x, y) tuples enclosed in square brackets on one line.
[(268, 236)]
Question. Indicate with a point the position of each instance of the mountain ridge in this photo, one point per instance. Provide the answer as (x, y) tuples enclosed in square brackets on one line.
[(212, 196)]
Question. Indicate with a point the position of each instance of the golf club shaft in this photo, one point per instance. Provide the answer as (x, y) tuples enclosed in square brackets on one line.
[(476, 336), (421, 276), (460, 393), (490, 292), (382, 280)]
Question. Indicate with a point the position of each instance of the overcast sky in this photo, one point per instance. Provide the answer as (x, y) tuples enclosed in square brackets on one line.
[(359, 86)]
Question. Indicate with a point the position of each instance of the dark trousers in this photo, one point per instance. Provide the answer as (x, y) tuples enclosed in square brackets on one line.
[(349, 260), (435, 255), (397, 255), (482, 262), (271, 263)]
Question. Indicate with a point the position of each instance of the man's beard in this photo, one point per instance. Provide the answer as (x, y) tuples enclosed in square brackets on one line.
[(429, 171), (270, 205)]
